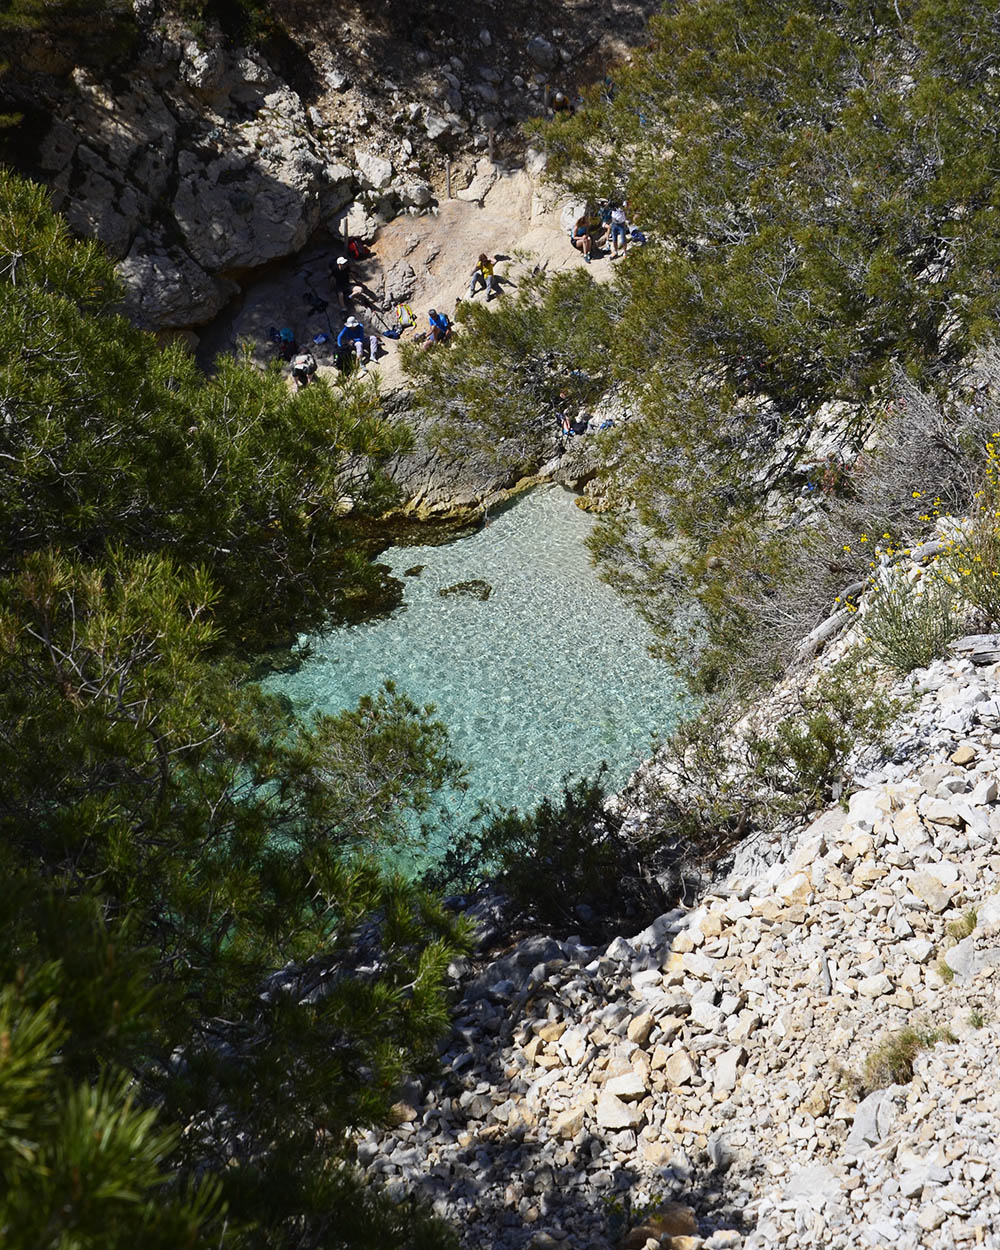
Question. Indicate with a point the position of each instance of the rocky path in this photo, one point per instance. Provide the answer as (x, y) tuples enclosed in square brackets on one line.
[(719, 1058)]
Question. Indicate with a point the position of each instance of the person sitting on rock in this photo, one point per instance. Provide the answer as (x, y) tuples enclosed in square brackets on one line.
[(303, 367), (483, 276), (580, 237), (287, 345), (352, 339), (440, 328)]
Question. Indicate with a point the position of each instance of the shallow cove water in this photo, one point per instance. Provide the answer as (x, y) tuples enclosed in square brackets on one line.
[(549, 675)]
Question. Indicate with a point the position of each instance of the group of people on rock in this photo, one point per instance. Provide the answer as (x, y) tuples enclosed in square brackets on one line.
[(611, 227), (357, 345)]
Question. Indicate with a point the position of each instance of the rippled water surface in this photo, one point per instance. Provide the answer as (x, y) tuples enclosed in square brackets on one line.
[(547, 676)]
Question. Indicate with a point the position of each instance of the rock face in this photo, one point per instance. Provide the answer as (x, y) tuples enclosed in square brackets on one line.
[(718, 1058), (201, 168), (206, 161)]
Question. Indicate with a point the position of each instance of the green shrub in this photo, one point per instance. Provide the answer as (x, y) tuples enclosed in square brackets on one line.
[(907, 627), (713, 787), (569, 864)]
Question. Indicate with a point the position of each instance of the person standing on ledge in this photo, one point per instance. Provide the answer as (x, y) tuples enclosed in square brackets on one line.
[(619, 232)]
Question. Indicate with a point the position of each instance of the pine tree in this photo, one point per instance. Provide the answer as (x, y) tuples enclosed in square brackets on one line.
[(210, 977)]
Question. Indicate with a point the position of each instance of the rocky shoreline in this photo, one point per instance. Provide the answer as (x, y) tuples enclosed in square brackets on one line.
[(720, 1059)]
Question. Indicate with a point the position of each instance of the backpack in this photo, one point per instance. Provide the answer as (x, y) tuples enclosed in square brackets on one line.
[(304, 362), (358, 249), (405, 317), (637, 236)]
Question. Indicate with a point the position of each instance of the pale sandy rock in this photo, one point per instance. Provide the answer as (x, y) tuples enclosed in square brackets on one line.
[(930, 891), (988, 915), (573, 1044), (726, 1071), (941, 812), (484, 177), (628, 1087), (552, 1032), (984, 792), (640, 1027), (919, 949), (686, 941), (375, 171), (612, 1113), (875, 986), (700, 966), (568, 1123), (795, 889), (679, 1068)]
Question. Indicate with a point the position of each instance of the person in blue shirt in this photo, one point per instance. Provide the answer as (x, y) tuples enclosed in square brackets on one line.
[(440, 327), (352, 339)]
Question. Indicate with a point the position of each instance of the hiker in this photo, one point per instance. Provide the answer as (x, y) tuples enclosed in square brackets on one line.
[(352, 339), (483, 276), (440, 328), (619, 231), (348, 285), (580, 237), (287, 346), (303, 367)]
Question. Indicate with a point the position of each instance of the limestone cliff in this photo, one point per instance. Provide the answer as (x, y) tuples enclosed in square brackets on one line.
[(198, 158)]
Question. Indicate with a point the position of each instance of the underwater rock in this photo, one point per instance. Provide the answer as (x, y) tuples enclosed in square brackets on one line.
[(475, 589)]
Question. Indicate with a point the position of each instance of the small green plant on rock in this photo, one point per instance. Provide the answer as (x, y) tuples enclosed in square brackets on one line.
[(964, 926), (891, 1062)]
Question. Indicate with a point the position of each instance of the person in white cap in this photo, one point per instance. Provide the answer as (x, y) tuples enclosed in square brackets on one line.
[(348, 285)]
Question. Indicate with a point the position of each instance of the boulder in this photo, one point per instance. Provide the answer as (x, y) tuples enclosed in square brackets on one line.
[(679, 1068), (873, 1120), (568, 1123), (628, 1087), (375, 171), (930, 891), (612, 1113), (399, 282), (544, 54), (727, 1068), (241, 210), (165, 287), (415, 194), (640, 1028)]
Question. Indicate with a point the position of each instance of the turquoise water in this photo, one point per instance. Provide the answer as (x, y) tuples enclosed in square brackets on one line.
[(550, 675)]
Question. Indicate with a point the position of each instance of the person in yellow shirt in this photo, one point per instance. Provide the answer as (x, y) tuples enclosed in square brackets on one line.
[(483, 276)]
